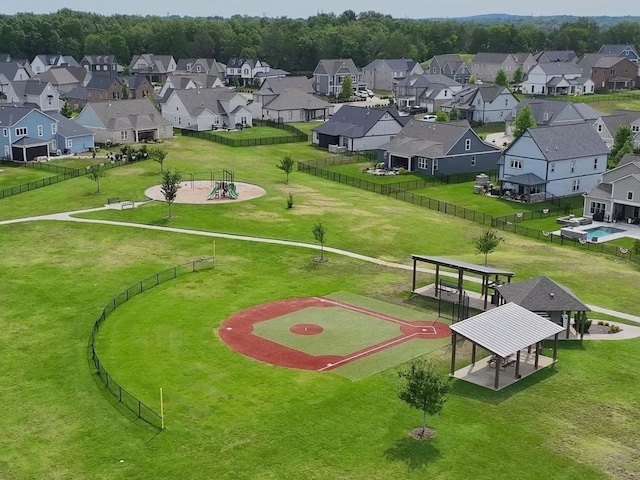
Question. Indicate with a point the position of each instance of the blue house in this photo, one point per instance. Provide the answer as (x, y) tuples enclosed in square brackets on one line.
[(27, 133), (73, 137)]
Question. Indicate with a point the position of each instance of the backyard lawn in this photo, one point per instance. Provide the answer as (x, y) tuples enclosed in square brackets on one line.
[(15, 176), (254, 132)]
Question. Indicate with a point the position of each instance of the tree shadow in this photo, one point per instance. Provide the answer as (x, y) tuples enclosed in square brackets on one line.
[(415, 454)]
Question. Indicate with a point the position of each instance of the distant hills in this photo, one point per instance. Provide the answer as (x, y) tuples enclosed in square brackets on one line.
[(538, 20)]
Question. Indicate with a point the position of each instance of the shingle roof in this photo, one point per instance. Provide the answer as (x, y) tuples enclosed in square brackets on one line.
[(291, 99), (333, 66), (278, 85), (69, 128), (616, 49), (77, 93), (395, 64), (557, 55), (488, 57), (355, 122), (560, 68), (507, 329), (602, 190), (101, 82), (607, 62), (99, 59), (619, 118), (629, 158), (196, 100), (561, 142), (528, 179), (134, 114), (10, 114), (63, 75), (541, 294), (33, 86)]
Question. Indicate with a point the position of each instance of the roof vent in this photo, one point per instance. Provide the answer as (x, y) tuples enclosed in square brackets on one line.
[(552, 294)]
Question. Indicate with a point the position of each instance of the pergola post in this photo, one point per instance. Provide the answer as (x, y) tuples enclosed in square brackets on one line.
[(460, 283), (413, 286), (568, 314), (583, 319), (485, 289), (496, 383), (453, 353), (438, 293), (555, 347), (473, 353), (535, 365), (517, 374)]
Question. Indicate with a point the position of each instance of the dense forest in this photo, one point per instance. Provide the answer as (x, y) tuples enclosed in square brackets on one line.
[(293, 44)]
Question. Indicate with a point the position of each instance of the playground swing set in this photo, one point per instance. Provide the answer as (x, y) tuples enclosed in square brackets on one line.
[(224, 187)]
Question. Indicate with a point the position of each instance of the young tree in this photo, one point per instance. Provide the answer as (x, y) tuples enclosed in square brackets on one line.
[(454, 114), (158, 155), (170, 186), (125, 92), (286, 165), (622, 144), (319, 232), (501, 78), (472, 80), (347, 88), (487, 242), (441, 116), (66, 110), (518, 76), (524, 120), (95, 173), (425, 389)]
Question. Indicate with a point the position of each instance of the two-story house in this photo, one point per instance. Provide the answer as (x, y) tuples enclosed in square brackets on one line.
[(558, 160), (428, 91), (101, 65), (154, 67), (37, 93), (611, 74), (482, 103), (382, 74), (197, 66), (627, 51), (245, 70), (607, 125), (329, 75), (206, 109), (485, 65), (451, 66), (42, 63), (550, 112), (557, 78), (138, 86), (441, 148), (64, 79)]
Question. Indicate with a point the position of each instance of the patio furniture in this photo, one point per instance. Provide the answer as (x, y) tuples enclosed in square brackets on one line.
[(509, 361)]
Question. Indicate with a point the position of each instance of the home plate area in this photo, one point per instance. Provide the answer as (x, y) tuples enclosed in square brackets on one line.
[(352, 335)]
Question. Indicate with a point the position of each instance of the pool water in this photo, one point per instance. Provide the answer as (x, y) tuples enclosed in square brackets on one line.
[(601, 232)]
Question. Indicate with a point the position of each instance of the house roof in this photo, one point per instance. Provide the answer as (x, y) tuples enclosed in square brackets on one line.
[(449, 57), (211, 65), (460, 265), (29, 142), (10, 69), (133, 81), (606, 61), (616, 49), (137, 114), (553, 109), (629, 158), (296, 99), (12, 113), (197, 100), (155, 63), (506, 329), (69, 128), (77, 93), (237, 62), (99, 59), (556, 55), (602, 190), (280, 84), (488, 57), (562, 142), (333, 66), (560, 68), (102, 82), (619, 118), (395, 64), (57, 59), (63, 75), (541, 294), (528, 179), (29, 87), (355, 122)]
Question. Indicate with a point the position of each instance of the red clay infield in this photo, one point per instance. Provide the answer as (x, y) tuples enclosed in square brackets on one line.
[(237, 333)]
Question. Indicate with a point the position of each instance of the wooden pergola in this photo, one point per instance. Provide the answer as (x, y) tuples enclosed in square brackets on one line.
[(491, 277), (505, 331)]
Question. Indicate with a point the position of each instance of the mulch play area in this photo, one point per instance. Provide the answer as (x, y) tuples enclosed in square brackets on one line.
[(348, 334)]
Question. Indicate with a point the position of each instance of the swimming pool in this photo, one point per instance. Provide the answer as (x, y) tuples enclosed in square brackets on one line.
[(601, 232)]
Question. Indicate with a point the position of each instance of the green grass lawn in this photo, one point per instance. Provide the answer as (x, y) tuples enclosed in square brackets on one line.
[(605, 103), (357, 170), (254, 132), (16, 176), (228, 416)]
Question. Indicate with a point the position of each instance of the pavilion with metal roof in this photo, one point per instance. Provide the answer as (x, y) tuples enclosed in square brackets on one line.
[(508, 333), (484, 271)]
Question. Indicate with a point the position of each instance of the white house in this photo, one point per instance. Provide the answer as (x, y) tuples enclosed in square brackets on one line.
[(557, 78), (42, 63), (557, 160), (38, 93), (245, 69)]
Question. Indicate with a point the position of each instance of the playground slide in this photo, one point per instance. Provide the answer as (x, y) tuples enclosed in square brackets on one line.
[(213, 192), (231, 190)]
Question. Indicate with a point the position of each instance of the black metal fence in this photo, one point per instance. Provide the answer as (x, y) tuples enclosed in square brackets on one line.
[(296, 136), (128, 400), (62, 173)]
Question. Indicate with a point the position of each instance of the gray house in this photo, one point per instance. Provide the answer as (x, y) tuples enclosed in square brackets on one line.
[(451, 66), (483, 103), (617, 197), (382, 74), (548, 56), (559, 160), (549, 112), (446, 148), (606, 126), (101, 65), (429, 91), (485, 65), (329, 75), (627, 51), (294, 105), (359, 129)]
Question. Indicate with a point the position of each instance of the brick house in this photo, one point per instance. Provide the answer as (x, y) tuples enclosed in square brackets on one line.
[(610, 74)]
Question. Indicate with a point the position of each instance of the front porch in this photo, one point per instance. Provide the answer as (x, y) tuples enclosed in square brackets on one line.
[(616, 84)]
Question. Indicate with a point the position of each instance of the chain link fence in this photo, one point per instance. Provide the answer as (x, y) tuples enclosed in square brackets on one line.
[(124, 397)]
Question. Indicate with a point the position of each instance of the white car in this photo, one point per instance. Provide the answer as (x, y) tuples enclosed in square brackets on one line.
[(369, 93), (361, 94)]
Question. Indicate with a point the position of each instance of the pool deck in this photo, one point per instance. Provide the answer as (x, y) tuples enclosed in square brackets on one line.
[(628, 230)]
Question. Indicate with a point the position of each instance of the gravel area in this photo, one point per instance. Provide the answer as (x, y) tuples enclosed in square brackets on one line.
[(199, 190)]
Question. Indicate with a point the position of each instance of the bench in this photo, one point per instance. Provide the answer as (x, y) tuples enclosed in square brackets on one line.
[(127, 204), (448, 287), (112, 200)]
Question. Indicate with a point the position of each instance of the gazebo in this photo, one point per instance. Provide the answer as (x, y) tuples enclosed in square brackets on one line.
[(508, 332), (484, 271), (546, 298)]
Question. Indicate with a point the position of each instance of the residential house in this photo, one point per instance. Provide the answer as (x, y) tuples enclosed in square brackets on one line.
[(550, 56), (206, 109), (559, 160), (154, 67), (124, 121), (295, 105), (607, 126), (98, 89), (617, 196), (610, 74), (27, 133), (441, 148), (101, 65), (451, 66), (588, 60), (358, 129), (138, 86), (5, 58), (42, 63), (37, 93), (485, 65), (245, 70), (13, 71), (551, 112), (183, 81), (482, 103), (198, 66), (64, 79), (557, 78), (429, 91), (382, 74), (627, 51), (329, 75), (272, 87)]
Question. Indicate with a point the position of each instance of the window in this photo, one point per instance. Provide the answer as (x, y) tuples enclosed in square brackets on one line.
[(599, 127), (596, 207), (188, 67), (629, 195), (124, 135), (21, 131), (54, 128), (473, 160), (40, 130), (467, 144), (552, 167), (576, 185), (545, 117), (595, 163), (69, 143), (422, 163), (635, 128), (105, 68), (572, 166), (517, 164), (199, 68), (5, 132), (435, 164), (434, 70), (49, 100)]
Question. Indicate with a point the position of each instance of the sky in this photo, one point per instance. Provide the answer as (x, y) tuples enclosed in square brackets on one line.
[(297, 8)]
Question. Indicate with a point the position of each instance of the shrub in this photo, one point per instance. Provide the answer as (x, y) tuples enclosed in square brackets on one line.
[(290, 201), (614, 329), (401, 171)]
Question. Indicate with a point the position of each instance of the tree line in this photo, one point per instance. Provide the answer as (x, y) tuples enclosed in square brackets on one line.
[(295, 45)]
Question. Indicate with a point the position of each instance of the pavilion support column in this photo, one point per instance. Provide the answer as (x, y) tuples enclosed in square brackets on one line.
[(496, 383), (413, 285), (460, 283), (453, 353), (438, 293), (517, 374), (568, 323), (485, 289), (473, 353), (535, 365), (583, 318), (529, 349), (555, 347)]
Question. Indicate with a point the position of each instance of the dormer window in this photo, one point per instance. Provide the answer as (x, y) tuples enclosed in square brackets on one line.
[(545, 117), (467, 144), (599, 127)]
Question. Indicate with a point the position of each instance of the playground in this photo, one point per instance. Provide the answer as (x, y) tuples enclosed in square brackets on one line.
[(210, 187)]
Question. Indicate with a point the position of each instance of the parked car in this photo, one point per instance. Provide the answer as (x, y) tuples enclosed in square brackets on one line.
[(369, 92), (429, 118), (361, 94)]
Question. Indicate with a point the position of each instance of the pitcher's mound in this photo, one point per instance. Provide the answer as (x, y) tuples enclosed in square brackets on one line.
[(198, 191)]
